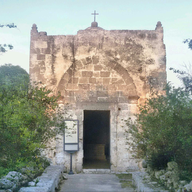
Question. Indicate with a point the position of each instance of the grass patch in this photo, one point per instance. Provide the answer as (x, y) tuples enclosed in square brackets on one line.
[(4, 171), (124, 176), (125, 180)]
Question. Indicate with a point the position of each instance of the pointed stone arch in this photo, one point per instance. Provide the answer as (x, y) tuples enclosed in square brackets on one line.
[(77, 65)]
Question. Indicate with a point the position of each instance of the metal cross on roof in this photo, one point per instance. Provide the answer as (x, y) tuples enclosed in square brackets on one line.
[(94, 15)]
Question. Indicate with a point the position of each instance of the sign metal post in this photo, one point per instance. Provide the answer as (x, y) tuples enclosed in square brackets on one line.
[(71, 139)]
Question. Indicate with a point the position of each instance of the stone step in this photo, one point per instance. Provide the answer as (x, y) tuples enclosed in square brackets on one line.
[(97, 171)]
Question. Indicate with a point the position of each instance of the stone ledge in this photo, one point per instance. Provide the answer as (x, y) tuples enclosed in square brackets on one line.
[(143, 187), (34, 189), (48, 181), (97, 171)]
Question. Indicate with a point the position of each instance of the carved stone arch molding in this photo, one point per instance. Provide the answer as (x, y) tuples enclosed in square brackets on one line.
[(126, 77), (124, 83)]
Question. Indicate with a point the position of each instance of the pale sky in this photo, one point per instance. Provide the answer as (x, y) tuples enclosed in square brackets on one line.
[(65, 17)]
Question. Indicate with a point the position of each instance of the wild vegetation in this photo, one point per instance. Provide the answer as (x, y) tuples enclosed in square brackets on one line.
[(27, 116), (162, 131)]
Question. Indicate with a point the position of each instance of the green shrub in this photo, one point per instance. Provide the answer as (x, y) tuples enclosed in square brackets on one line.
[(4, 171), (162, 131), (185, 175), (27, 116)]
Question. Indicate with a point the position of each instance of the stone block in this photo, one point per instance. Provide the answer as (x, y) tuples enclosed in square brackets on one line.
[(77, 74), (103, 99), (72, 86), (87, 73), (84, 86), (78, 65), (70, 71), (6, 184), (120, 82), (62, 84), (98, 68), (112, 99), (46, 51), (96, 74), (190, 185), (104, 74), (92, 80), (123, 106), (83, 61), (88, 60), (74, 80), (119, 69), (79, 167), (121, 87), (83, 80), (92, 93), (113, 80), (70, 93), (112, 87), (48, 181), (132, 101), (95, 59), (106, 81), (34, 51), (92, 99), (93, 86), (66, 76), (90, 67), (102, 94), (40, 57), (111, 64), (132, 93), (40, 44), (34, 189), (99, 81)]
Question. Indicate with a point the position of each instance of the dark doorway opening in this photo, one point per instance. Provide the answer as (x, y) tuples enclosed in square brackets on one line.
[(96, 140)]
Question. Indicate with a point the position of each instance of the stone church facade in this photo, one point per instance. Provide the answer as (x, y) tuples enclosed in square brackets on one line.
[(102, 76)]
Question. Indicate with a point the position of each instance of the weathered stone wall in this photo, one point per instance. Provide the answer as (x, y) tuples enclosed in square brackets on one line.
[(100, 69)]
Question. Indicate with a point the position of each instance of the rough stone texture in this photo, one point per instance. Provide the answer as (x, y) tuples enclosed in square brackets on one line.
[(97, 171), (187, 187), (14, 180), (169, 178), (14, 176), (100, 69), (143, 186), (47, 182), (6, 184), (144, 164), (159, 174), (34, 189), (172, 166)]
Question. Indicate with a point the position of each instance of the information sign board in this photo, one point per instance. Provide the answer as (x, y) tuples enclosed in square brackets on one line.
[(71, 136)]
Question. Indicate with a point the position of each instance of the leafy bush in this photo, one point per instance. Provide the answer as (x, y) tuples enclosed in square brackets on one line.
[(4, 171), (27, 116), (162, 131)]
